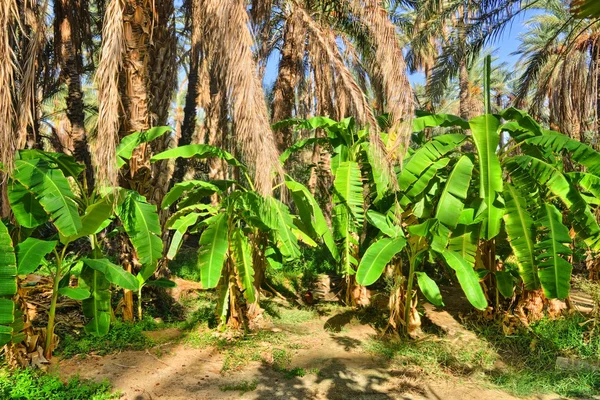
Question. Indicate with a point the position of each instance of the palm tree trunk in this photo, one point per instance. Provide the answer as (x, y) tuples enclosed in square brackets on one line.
[(135, 96), (189, 109), (465, 96), (67, 35), (290, 67)]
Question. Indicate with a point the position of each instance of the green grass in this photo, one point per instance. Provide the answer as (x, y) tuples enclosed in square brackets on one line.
[(35, 385), (241, 386), (121, 336), (530, 357), (522, 364), (435, 357)]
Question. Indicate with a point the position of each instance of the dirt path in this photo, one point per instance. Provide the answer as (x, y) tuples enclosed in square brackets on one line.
[(331, 356)]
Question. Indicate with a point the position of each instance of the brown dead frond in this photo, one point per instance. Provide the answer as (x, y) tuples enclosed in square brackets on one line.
[(8, 73), (392, 68), (229, 30), (327, 44), (27, 101), (107, 78)]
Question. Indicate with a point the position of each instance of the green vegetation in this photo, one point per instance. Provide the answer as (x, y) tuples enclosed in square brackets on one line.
[(31, 385), (241, 386)]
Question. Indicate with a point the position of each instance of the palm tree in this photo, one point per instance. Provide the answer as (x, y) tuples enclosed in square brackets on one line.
[(560, 57)]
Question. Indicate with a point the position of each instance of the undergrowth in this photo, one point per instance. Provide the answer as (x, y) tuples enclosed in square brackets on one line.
[(522, 364), (121, 336), (27, 384)]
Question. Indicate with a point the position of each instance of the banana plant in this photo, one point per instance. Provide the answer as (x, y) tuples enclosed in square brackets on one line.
[(359, 180), (44, 192), (241, 235), (523, 195)]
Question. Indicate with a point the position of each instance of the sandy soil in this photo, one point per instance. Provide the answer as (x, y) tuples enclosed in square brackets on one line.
[(177, 371)]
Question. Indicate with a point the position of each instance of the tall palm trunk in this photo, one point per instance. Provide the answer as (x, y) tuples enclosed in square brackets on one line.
[(465, 95), (290, 67), (189, 109), (135, 97), (67, 34)]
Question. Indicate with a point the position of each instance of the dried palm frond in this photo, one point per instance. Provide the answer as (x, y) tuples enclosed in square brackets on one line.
[(327, 44), (27, 103), (291, 67), (390, 59), (107, 78), (8, 72), (233, 53)]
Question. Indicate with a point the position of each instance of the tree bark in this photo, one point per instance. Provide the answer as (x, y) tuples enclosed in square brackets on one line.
[(68, 37), (290, 66), (189, 109)]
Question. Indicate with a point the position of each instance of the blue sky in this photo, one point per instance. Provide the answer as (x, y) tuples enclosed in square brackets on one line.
[(503, 48)]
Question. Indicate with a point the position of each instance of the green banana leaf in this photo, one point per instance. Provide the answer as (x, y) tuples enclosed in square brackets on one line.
[(214, 242), (27, 210), (113, 273), (376, 257), (129, 143), (8, 285), (429, 288), (97, 306), (467, 278), (311, 215), (31, 252), (242, 256), (66, 163), (287, 242), (179, 188), (383, 223), (181, 226), (425, 156), (299, 145), (486, 137), (52, 190), (452, 200), (553, 269), (198, 151), (579, 152), (349, 190), (141, 223), (520, 229), (464, 240)]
